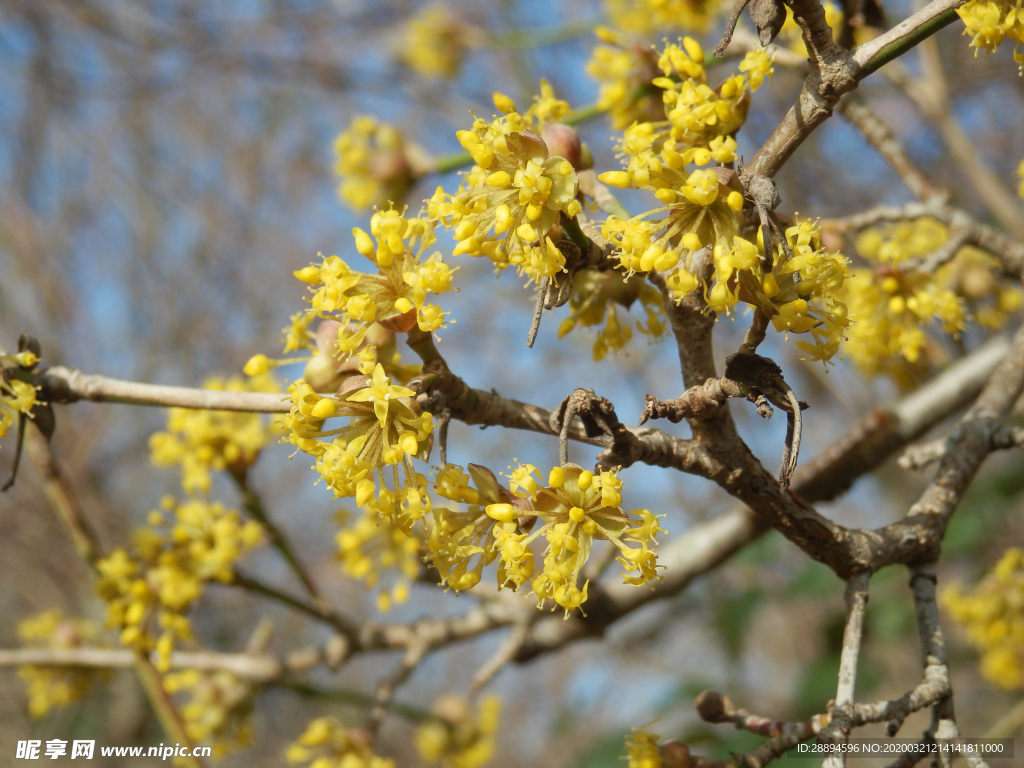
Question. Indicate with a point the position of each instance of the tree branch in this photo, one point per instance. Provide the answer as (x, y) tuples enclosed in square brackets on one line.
[(837, 75)]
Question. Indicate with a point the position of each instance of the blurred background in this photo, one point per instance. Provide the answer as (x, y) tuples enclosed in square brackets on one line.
[(165, 165)]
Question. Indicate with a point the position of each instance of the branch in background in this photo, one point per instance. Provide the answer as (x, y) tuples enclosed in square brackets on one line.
[(64, 504), (917, 537), (933, 653), (715, 708), (1009, 252), (841, 723), (320, 610), (62, 499), (930, 93), (166, 712), (415, 652), (838, 73), (255, 667), (920, 456), (879, 136), (254, 506), (505, 653)]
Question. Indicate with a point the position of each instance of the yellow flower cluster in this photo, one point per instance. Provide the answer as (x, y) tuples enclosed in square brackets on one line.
[(436, 41), (395, 296), (644, 16), (800, 294), (15, 396), (375, 163), (624, 69), (575, 508), (699, 125), (595, 298), (386, 429), (185, 546), (201, 442), (700, 211), (370, 546), (893, 305), (327, 743), (509, 205), (642, 749), (993, 615), (973, 276), (456, 737), (989, 22), (217, 709), (50, 688)]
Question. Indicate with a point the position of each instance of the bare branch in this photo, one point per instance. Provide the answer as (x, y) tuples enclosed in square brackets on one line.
[(878, 134), (66, 385), (254, 667), (931, 96), (920, 456), (505, 653), (838, 74), (1009, 252), (254, 506), (839, 727), (713, 707)]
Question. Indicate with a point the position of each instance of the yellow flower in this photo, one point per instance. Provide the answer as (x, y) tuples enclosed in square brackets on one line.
[(202, 442), (623, 69), (326, 743), (396, 245), (436, 41), (642, 749), (457, 738), (16, 396), (516, 193), (993, 615), (379, 390), (372, 546), (644, 16), (216, 710), (895, 305), (184, 547), (50, 688), (375, 164), (988, 22)]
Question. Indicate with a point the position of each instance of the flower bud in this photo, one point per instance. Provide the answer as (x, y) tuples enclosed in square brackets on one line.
[(324, 409), (364, 243), (503, 513), (563, 141), (503, 103), (257, 365), (310, 274), (618, 179)]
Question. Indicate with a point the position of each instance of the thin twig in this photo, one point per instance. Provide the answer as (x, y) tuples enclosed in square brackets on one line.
[(319, 610), (506, 652), (838, 729), (66, 385), (254, 506)]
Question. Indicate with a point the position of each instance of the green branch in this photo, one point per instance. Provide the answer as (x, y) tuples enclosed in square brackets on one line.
[(898, 47)]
